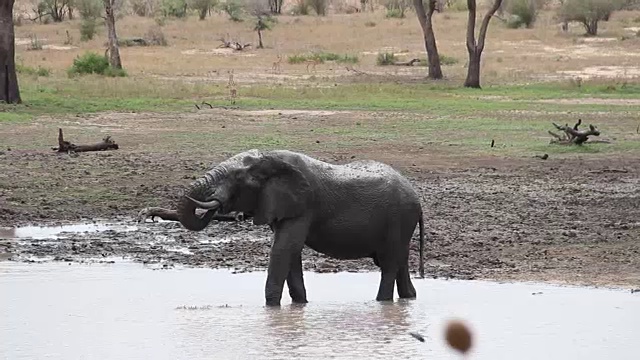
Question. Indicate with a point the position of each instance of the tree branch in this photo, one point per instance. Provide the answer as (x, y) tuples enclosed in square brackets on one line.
[(471, 26), (485, 23)]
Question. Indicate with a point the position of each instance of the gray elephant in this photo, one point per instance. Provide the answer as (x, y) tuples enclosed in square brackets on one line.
[(361, 209)]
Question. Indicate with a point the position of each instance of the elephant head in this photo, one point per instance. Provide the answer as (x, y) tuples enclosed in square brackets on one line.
[(264, 186)]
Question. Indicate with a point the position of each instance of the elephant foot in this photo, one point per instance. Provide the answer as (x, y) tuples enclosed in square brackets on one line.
[(273, 302), (299, 300), (384, 298)]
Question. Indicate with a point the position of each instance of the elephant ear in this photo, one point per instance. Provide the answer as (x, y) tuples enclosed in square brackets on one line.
[(284, 190)]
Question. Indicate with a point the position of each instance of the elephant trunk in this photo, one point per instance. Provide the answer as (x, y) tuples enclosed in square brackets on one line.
[(195, 197)]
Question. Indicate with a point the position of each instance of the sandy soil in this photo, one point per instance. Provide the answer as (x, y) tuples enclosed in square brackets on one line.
[(573, 221)]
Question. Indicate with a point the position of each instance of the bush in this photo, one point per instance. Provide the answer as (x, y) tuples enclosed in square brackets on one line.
[(524, 13), (385, 58), (319, 6), (143, 7), (155, 36), (174, 8), (202, 6), (88, 29), (234, 9), (301, 8), (589, 12), (93, 63), (28, 70), (89, 9), (396, 8)]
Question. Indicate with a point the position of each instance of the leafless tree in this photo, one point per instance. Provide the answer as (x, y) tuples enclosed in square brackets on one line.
[(474, 47), (9, 90)]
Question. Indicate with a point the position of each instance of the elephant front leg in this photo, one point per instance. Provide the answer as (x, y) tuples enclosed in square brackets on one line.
[(295, 280), (288, 240)]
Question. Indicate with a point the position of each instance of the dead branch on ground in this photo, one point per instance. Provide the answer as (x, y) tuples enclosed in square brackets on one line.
[(405, 63), (573, 136), (68, 147), (172, 215), (232, 44)]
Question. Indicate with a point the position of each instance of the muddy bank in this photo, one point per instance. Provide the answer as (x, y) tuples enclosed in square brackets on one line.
[(560, 221)]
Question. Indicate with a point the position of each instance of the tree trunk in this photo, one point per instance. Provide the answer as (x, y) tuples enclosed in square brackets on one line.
[(475, 48), (9, 91), (473, 72), (592, 27), (260, 40), (424, 17), (114, 51)]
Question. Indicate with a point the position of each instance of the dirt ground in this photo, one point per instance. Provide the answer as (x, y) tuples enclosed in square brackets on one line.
[(574, 220)]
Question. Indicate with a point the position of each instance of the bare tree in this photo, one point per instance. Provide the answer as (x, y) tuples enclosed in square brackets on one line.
[(9, 90), (424, 17), (114, 50), (475, 47)]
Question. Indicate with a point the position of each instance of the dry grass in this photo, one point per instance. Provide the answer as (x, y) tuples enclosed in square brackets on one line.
[(510, 55)]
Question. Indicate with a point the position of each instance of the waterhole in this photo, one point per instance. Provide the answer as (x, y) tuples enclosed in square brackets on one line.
[(58, 310)]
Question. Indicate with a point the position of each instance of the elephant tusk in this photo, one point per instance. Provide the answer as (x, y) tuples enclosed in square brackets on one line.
[(213, 204)]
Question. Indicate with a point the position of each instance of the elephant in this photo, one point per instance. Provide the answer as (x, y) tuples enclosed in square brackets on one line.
[(357, 210)]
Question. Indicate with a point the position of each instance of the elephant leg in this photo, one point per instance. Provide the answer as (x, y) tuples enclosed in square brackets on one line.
[(403, 280), (295, 280), (288, 240), (387, 283)]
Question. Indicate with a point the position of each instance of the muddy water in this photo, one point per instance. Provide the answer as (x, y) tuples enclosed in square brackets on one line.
[(128, 311)]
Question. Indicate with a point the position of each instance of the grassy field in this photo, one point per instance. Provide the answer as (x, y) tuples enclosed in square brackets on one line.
[(529, 76)]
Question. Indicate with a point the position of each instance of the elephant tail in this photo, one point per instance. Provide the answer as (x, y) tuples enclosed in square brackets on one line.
[(421, 261)]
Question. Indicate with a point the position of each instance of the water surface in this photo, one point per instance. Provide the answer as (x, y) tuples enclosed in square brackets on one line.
[(128, 311)]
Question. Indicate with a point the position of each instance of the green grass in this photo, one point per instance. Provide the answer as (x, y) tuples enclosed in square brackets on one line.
[(322, 57), (94, 93)]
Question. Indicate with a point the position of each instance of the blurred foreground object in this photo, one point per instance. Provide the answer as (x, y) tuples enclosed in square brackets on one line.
[(458, 336)]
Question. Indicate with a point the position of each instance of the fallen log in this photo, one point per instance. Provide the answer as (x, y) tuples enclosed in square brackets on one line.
[(172, 215), (68, 147), (573, 136), (233, 45), (405, 63)]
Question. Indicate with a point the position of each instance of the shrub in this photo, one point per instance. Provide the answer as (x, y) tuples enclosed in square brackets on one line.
[(202, 6), (28, 70), (396, 8), (301, 8), (88, 29), (143, 7), (93, 63), (174, 8), (319, 6), (35, 44), (234, 9), (385, 58), (89, 9), (589, 12), (155, 36), (524, 12)]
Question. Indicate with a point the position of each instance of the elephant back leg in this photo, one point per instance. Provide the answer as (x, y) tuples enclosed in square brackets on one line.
[(406, 290), (388, 257)]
